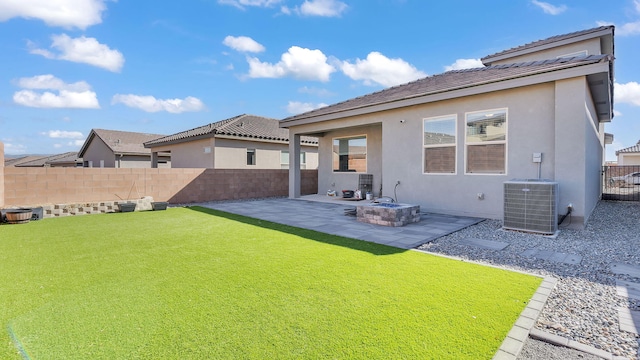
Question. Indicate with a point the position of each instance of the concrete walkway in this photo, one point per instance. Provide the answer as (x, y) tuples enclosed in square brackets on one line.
[(329, 218)]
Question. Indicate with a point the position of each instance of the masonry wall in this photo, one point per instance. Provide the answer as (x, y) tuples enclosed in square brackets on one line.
[(39, 186)]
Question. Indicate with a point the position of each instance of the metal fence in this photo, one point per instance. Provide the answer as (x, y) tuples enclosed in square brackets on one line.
[(621, 183)]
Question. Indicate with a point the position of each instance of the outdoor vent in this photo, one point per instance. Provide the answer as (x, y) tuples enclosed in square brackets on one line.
[(531, 205)]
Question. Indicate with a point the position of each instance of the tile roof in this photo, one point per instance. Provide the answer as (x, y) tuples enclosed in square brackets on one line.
[(67, 157), (20, 160), (631, 149), (546, 41), (124, 142), (454, 80), (242, 126)]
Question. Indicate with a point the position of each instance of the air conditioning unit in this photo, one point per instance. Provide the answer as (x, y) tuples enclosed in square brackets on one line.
[(531, 205)]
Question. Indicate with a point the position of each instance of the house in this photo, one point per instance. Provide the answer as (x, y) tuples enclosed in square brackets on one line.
[(119, 149), (629, 155), (68, 159), (241, 142), (449, 142)]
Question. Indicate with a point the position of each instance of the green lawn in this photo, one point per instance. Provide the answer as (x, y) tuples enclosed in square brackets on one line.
[(193, 283)]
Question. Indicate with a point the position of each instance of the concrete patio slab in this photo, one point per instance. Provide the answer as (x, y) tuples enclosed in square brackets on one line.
[(625, 269), (570, 259), (629, 320), (328, 217), (628, 289)]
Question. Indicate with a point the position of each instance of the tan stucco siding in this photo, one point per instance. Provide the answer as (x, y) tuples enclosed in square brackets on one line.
[(133, 161), (553, 119), (628, 159), (592, 46), (191, 154), (232, 154), (97, 150)]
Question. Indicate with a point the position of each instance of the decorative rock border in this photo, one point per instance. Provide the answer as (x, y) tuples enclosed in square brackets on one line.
[(59, 210)]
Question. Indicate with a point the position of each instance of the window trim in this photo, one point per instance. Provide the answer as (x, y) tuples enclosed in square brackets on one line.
[(255, 160), (505, 142), (366, 154), (454, 117)]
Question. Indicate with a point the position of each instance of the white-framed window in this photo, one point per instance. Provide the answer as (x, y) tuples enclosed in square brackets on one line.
[(486, 142), (251, 156), (284, 159), (350, 154), (439, 145)]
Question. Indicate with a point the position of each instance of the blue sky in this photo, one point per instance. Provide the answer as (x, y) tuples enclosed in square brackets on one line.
[(68, 66)]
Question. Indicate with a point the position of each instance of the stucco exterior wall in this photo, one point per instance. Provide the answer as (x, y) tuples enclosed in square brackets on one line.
[(190, 154), (97, 150), (232, 154), (594, 150), (592, 46), (133, 161), (338, 181), (553, 119), (628, 159)]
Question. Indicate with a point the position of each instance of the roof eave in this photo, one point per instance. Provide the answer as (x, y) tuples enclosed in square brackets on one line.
[(475, 89), (600, 33)]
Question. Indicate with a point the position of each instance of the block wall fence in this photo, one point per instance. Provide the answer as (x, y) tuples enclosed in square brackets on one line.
[(29, 187)]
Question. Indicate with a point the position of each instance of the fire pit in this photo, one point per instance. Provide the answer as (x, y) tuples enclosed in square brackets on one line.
[(388, 214)]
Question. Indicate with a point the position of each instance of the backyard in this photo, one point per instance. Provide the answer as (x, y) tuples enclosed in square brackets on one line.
[(198, 283)]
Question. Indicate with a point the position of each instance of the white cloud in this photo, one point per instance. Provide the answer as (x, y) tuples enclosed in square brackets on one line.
[(300, 63), (327, 8), (632, 28), (11, 148), (241, 4), (549, 8), (461, 64), (76, 143), (628, 93), (83, 50), (151, 104), (379, 69), (64, 99), (51, 82), (61, 134), (315, 91), (296, 107), (243, 44), (77, 95), (64, 13), (617, 113)]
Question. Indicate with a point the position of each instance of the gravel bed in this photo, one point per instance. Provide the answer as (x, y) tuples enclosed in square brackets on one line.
[(584, 305)]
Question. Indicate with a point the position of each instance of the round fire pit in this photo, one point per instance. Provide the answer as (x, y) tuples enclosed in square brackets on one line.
[(18, 216)]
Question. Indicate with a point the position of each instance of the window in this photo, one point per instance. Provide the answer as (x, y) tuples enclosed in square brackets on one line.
[(439, 141), (251, 156), (486, 140), (350, 154), (284, 159)]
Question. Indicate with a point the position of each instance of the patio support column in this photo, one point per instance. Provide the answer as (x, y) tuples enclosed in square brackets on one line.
[(294, 166), (1, 174), (154, 159)]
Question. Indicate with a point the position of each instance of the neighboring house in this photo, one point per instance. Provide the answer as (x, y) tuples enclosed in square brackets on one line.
[(68, 159), (630, 155), (119, 149), (448, 142), (241, 142)]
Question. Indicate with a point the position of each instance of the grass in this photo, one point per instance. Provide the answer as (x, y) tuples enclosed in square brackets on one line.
[(194, 283)]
